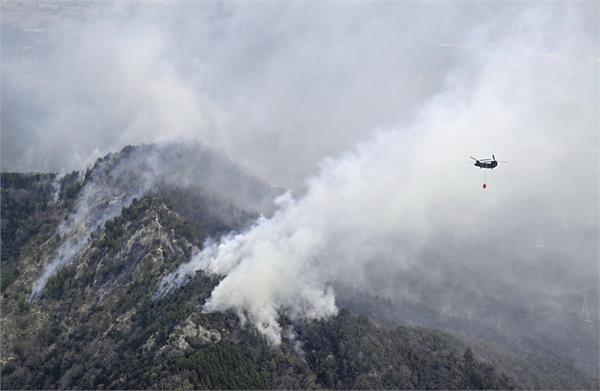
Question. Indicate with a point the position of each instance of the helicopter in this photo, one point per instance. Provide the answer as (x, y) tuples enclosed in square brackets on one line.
[(487, 163)]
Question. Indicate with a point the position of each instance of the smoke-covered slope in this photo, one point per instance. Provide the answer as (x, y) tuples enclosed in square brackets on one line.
[(116, 180), (96, 323), (514, 343)]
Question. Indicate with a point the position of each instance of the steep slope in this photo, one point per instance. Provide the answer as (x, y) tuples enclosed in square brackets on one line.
[(116, 180), (32, 207), (96, 324)]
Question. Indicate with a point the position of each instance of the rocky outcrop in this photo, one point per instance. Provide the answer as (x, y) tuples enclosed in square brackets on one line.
[(191, 331)]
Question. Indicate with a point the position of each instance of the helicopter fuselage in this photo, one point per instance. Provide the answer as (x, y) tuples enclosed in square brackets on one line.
[(491, 164)]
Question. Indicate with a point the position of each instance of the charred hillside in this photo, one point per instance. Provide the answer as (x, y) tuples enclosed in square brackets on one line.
[(95, 322)]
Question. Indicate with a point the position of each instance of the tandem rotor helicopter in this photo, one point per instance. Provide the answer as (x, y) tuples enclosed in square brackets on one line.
[(487, 163)]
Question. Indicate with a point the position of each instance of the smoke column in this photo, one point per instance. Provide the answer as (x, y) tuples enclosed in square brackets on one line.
[(408, 190)]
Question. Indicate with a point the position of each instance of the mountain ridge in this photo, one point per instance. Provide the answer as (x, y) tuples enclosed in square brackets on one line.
[(100, 305), (97, 324)]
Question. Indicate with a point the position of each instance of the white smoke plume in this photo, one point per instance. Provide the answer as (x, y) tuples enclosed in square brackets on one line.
[(378, 209)]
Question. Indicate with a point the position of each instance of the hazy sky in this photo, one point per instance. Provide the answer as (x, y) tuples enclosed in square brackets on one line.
[(277, 85)]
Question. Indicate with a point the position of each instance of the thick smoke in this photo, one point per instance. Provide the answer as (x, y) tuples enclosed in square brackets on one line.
[(409, 90), (277, 86), (410, 192)]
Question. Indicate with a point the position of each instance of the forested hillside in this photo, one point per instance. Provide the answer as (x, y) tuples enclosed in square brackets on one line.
[(98, 324)]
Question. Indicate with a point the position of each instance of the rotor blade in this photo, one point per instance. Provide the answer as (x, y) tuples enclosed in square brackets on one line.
[(473, 158), (502, 161), (493, 157)]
